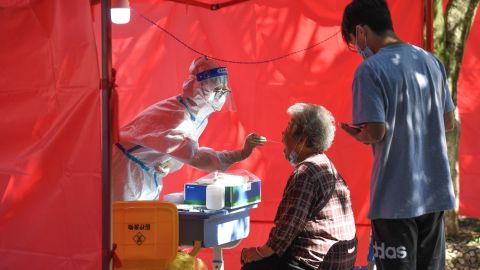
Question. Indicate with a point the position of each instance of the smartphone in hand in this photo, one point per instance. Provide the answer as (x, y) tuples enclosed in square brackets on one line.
[(350, 129)]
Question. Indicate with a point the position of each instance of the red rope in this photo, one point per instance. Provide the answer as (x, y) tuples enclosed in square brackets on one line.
[(113, 256), (232, 61)]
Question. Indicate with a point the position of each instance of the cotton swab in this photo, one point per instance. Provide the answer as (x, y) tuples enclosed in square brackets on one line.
[(264, 139)]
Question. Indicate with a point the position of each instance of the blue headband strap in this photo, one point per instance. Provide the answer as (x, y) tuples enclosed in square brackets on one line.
[(211, 73)]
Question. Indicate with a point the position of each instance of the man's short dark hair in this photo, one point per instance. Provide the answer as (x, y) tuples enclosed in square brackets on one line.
[(373, 13)]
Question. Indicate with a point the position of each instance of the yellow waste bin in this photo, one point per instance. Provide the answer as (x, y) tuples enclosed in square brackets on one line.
[(146, 234)]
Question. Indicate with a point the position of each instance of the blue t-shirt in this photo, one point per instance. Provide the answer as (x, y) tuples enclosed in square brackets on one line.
[(405, 88)]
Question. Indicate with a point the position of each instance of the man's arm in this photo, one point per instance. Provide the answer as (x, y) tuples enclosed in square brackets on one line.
[(449, 121), (368, 133)]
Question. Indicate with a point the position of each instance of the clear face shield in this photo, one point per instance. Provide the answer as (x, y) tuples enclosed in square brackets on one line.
[(214, 87)]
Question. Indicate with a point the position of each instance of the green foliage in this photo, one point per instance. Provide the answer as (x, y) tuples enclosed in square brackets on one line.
[(439, 30)]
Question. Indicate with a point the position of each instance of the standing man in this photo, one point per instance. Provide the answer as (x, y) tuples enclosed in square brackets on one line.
[(402, 107)]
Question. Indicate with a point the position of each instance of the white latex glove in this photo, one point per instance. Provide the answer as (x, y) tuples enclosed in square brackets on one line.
[(251, 141)]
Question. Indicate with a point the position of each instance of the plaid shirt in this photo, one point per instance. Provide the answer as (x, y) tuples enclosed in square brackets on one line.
[(302, 226)]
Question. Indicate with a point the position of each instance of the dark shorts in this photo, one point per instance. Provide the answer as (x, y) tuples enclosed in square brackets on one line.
[(276, 263), (340, 256), (412, 243)]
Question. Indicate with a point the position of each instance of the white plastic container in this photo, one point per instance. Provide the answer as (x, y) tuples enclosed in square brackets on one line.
[(215, 197)]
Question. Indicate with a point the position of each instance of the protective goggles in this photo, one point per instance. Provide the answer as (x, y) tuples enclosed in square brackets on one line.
[(212, 73)]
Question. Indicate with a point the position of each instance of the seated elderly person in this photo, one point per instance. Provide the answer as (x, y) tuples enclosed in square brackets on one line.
[(314, 226)]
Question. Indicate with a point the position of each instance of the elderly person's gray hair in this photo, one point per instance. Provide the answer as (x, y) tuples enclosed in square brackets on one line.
[(315, 123)]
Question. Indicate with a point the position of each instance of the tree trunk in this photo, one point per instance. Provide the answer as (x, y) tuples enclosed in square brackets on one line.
[(451, 30), (453, 140)]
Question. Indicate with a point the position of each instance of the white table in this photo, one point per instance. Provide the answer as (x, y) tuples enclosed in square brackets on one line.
[(217, 229)]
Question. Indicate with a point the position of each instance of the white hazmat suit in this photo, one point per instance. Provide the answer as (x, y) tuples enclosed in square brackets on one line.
[(165, 136)]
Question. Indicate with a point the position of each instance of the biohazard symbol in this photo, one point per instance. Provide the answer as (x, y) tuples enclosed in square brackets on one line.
[(139, 238)]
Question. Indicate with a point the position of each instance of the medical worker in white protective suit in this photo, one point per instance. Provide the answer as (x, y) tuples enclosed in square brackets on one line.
[(165, 136)]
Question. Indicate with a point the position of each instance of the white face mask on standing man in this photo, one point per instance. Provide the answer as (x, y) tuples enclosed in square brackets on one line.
[(365, 53)]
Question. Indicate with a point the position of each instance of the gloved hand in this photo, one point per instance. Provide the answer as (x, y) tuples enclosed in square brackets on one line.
[(163, 168), (251, 141)]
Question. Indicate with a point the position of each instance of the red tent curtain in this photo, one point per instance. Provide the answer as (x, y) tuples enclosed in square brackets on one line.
[(50, 165), (468, 101)]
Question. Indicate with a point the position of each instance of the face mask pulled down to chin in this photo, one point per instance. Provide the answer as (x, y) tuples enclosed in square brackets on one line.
[(293, 156)]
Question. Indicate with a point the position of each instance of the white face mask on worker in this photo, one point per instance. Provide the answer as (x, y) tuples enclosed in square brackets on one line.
[(216, 100)]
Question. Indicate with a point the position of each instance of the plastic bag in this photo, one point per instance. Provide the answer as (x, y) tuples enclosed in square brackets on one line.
[(231, 178), (185, 261)]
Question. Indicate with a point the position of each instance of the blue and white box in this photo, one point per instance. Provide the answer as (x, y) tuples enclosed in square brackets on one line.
[(235, 195)]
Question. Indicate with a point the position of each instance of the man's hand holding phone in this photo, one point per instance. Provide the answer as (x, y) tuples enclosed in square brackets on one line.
[(351, 129)]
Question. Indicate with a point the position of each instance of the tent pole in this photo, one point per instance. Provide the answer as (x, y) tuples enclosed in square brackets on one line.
[(106, 86)]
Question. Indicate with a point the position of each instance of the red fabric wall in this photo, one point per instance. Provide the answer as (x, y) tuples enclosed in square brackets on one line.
[(49, 137), (469, 107), (152, 66)]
